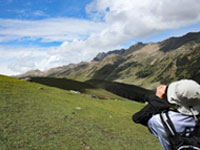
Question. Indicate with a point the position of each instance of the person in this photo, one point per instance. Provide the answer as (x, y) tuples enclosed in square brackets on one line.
[(181, 100)]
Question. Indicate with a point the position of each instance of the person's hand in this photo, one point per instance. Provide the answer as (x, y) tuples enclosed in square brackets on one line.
[(161, 91)]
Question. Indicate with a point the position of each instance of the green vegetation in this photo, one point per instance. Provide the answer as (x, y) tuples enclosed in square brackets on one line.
[(77, 86), (124, 90), (34, 116), (143, 73)]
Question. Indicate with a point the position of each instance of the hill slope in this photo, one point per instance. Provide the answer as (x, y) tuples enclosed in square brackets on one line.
[(77, 87), (131, 92), (145, 65), (98, 88), (34, 116)]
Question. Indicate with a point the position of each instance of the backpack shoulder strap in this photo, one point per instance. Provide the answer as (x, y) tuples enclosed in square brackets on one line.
[(167, 123), (178, 141), (197, 127), (174, 138), (198, 122)]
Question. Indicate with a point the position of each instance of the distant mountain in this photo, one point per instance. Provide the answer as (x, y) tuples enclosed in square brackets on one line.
[(145, 65), (176, 42), (32, 73), (102, 55)]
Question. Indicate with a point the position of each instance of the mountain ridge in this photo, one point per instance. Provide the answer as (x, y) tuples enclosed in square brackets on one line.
[(145, 65)]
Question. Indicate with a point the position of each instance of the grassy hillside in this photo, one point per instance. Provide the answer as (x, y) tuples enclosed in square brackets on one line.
[(131, 92), (84, 88), (97, 88), (34, 116)]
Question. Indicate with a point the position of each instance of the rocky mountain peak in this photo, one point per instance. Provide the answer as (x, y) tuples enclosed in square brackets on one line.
[(176, 42), (102, 55)]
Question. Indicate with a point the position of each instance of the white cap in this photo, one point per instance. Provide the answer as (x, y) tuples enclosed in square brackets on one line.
[(186, 94)]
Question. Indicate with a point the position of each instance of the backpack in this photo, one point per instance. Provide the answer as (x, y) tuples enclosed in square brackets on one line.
[(188, 140)]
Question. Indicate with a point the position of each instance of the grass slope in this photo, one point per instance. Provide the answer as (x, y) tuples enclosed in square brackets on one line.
[(85, 88), (131, 92), (34, 116)]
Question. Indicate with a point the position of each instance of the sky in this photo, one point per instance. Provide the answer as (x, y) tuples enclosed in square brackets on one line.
[(44, 34)]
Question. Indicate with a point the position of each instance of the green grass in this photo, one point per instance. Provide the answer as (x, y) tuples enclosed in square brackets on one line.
[(83, 87), (36, 118)]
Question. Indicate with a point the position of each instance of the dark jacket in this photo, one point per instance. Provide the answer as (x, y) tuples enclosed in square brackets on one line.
[(155, 106)]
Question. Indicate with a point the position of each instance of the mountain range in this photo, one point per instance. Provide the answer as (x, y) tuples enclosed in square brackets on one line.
[(143, 64)]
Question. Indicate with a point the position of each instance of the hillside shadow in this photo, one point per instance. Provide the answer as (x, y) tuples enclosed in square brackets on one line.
[(131, 92), (63, 83)]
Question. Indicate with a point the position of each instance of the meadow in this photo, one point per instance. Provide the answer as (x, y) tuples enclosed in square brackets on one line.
[(38, 117)]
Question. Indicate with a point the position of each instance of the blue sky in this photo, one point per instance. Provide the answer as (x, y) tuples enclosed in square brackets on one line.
[(37, 9), (50, 33)]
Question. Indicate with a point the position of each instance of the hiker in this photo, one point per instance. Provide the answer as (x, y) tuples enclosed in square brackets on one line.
[(181, 102)]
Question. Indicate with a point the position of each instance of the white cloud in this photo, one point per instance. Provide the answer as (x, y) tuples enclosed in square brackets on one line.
[(114, 22), (143, 18), (6, 71), (18, 60), (58, 29)]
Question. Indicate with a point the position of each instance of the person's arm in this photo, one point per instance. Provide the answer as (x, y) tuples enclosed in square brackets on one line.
[(155, 106)]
